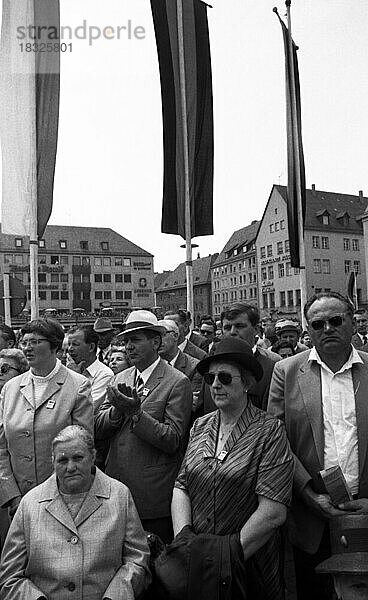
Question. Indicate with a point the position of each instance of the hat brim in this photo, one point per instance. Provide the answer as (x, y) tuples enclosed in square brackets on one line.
[(104, 330), (345, 564), (244, 360), (156, 328)]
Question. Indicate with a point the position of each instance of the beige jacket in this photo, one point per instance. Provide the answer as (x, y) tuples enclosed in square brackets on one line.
[(26, 432), (102, 554)]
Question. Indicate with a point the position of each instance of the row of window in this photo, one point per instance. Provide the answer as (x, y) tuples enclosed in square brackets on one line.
[(63, 244), (250, 263), (353, 244), (278, 226), (236, 251), (320, 242), (283, 269), (352, 267), (282, 248), (105, 295), (235, 295), (224, 283), (83, 278), (322, 265), (323, 243), (56, 259), (268, 299)]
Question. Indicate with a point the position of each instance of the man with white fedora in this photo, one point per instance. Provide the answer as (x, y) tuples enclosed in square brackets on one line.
[(106, 333), (146, 417)]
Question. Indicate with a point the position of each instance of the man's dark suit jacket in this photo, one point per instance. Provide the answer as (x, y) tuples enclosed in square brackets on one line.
[(296, 398), (199, 340), (194, 351), (187, 365), (356, 340)]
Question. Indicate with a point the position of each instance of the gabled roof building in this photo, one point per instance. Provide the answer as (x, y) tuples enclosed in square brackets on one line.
[(234, 272), (171, 293), (334, 247)]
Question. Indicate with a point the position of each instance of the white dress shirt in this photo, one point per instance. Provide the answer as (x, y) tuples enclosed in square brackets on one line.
[(100, 376), (339, 418), (146, 374)]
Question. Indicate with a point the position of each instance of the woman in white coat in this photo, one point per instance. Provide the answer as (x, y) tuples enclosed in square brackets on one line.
[(79, 532)]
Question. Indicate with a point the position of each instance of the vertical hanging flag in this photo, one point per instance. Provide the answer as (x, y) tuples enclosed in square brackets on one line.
[(199, 114), (29, 111), (352, 289), (295, 155)]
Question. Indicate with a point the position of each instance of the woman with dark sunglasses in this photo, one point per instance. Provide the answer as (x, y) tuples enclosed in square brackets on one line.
[(236, 477)]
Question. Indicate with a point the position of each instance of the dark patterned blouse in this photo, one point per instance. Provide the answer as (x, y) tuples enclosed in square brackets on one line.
[(256, 460)]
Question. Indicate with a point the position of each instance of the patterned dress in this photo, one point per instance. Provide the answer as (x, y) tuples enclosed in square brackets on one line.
[(223, 493)]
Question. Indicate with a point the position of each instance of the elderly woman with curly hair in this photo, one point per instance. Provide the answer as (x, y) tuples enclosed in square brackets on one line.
[(77, 535)]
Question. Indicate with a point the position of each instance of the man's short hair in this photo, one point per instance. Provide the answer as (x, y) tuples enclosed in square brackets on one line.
[(7, 333), (89, 334), (47, 328), (350, 309), (208, 320), (234, 310), (182, 314)]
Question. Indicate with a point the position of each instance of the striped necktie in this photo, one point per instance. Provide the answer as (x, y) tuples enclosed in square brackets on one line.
[(139, 383)]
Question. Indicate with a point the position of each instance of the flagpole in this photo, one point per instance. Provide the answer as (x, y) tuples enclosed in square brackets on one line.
[(302, 270), (7, 310), (187, 221), (33, 257)]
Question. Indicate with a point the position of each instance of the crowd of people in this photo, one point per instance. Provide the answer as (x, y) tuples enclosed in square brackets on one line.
[(217, 441)]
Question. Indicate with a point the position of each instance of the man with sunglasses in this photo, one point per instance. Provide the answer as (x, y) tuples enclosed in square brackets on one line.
[(321, 394)]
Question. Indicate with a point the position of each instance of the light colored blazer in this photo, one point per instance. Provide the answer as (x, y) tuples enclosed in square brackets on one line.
[(103, 554), (296, 398), (146, 456), (26, 432)]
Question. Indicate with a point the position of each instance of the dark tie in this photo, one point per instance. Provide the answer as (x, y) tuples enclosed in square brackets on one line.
[(365, 339), (101, 356)]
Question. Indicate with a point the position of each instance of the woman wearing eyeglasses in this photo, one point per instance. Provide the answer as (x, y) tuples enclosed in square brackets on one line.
[(236, 477), (34, 407)]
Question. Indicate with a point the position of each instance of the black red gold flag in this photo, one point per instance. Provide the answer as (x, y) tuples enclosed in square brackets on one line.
[(198, 118), (295, 154), (29, 111)]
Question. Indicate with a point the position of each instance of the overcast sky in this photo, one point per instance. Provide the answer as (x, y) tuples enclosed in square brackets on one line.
[(109, 162)]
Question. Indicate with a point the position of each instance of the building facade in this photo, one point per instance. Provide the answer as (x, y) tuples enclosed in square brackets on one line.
[(234, 274), (171, 294), (334, 247), (82, 267)]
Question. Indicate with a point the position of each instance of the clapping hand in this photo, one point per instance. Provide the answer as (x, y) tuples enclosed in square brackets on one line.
[(125, 399)]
